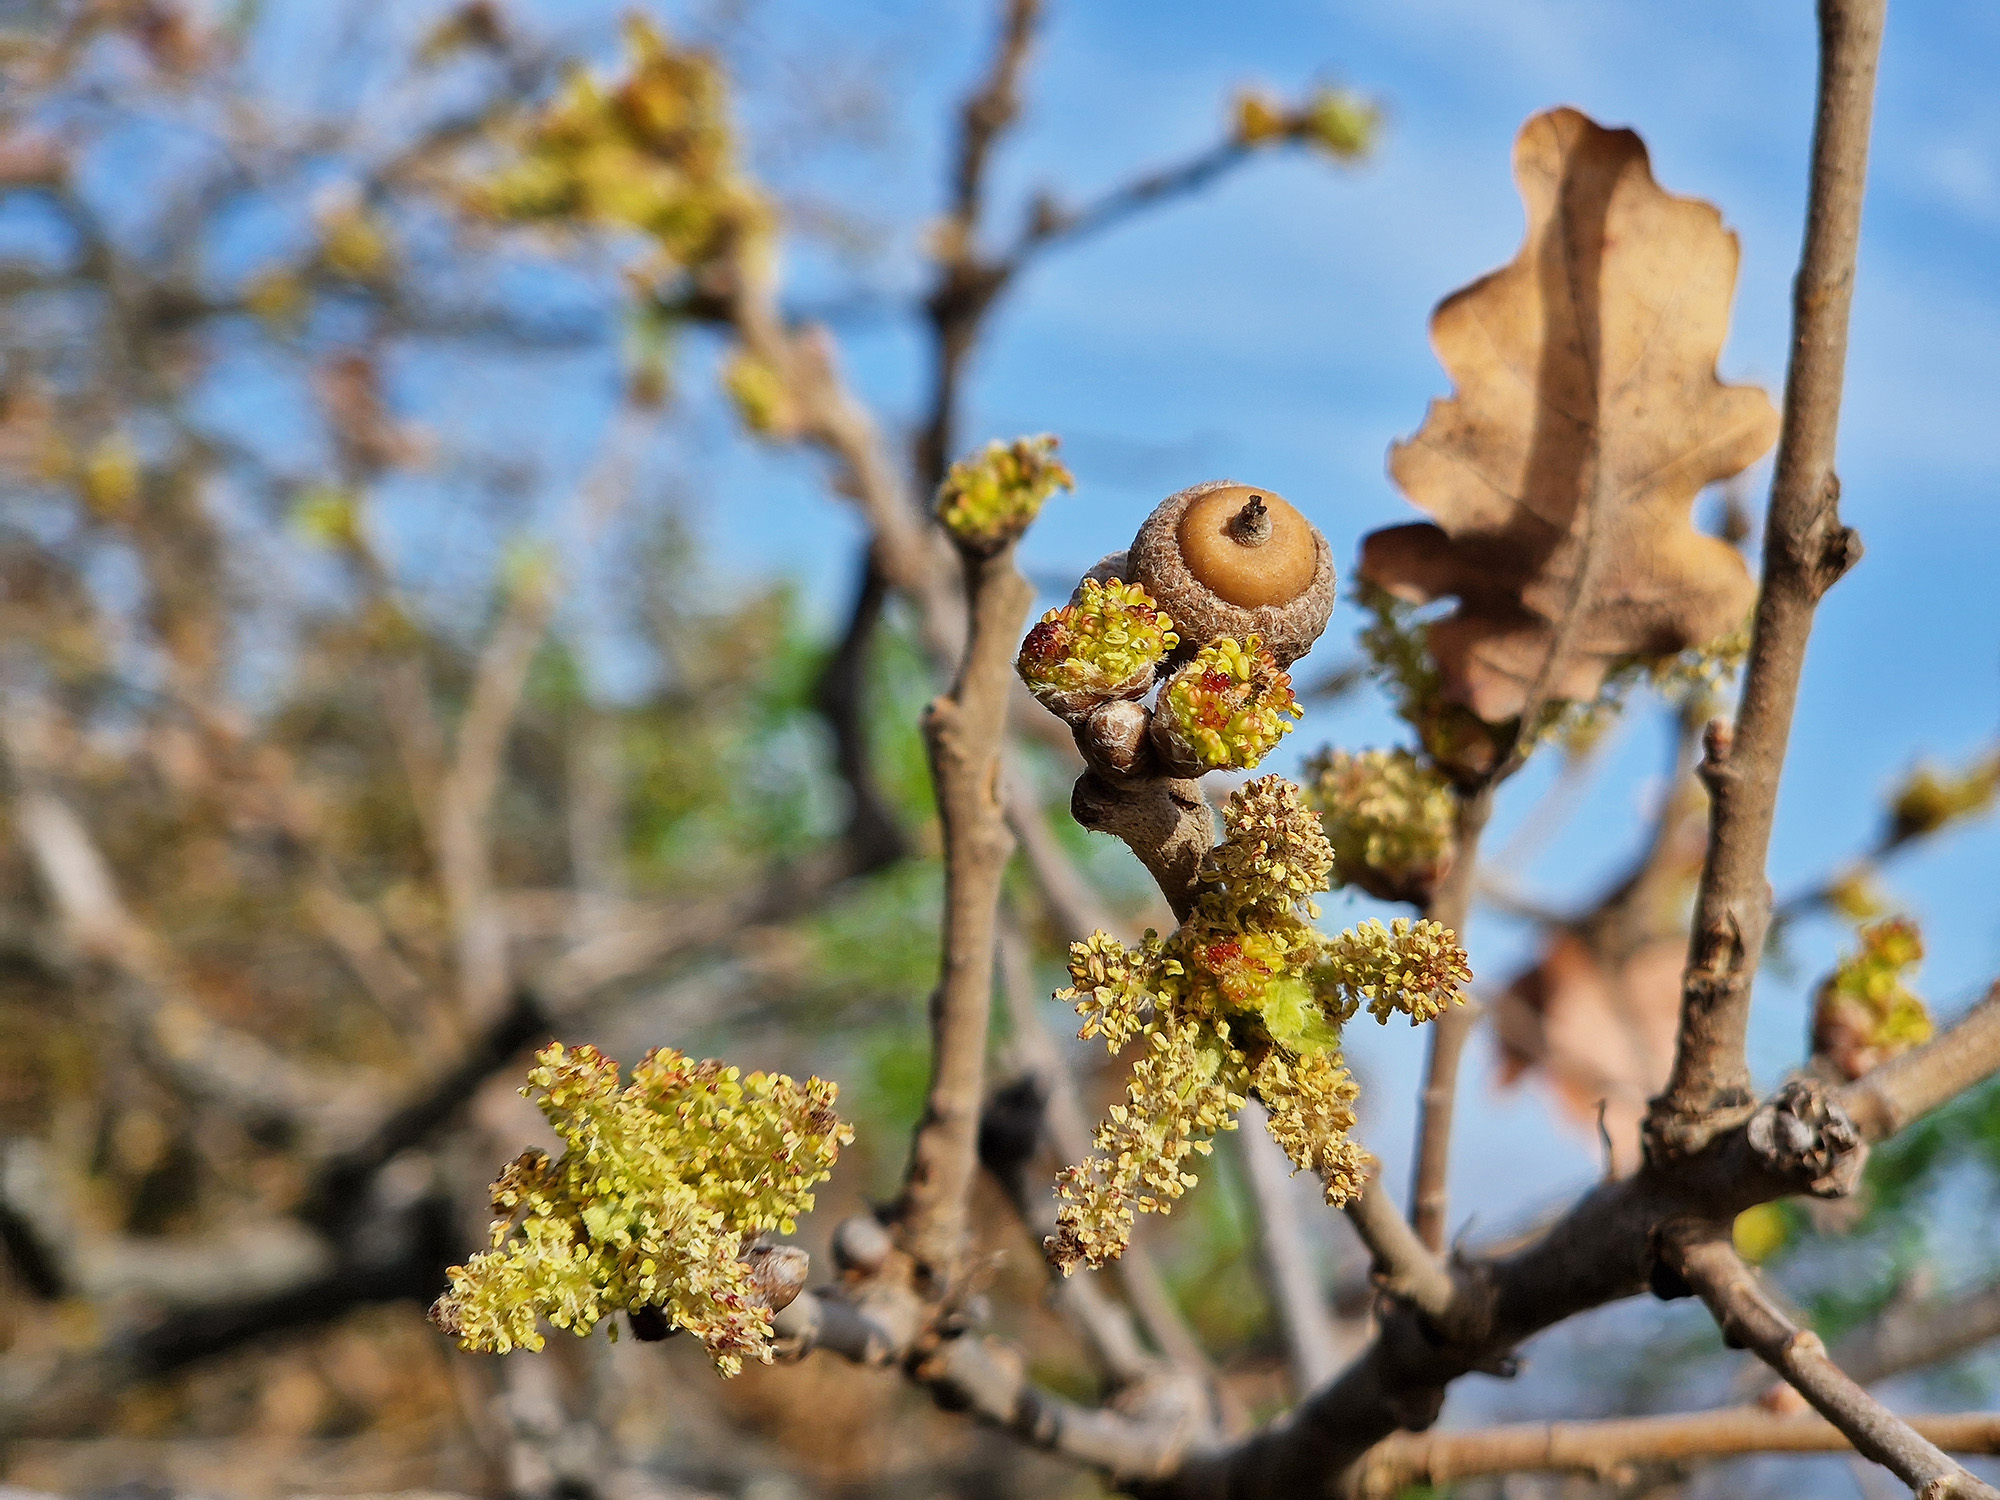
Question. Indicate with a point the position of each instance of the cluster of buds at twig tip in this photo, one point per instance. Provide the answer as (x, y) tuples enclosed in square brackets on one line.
[(1223, 588), (1340, 122), (1106, 643), (989, 499)]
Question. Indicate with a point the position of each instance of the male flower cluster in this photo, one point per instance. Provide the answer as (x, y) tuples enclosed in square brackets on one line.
[(989, 499), (1389, 817), (1865, 1012), (1246, 998), (665, 1183)]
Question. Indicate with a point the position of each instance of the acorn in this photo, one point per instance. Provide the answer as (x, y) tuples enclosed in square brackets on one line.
[(1229, 559)]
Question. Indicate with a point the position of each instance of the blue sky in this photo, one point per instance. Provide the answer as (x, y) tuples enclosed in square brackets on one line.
[(1274, 330)]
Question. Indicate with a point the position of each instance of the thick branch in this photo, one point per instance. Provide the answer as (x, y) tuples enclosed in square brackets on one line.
[(1751, 1320), (222, 1065), (873, 838), (1806, 549), (1604, 1249)]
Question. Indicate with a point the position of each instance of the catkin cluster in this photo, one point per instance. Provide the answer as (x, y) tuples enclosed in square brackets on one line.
[(1246, 998), (1389, 816), (1865, 1012), (664, 1185), (989, 499)]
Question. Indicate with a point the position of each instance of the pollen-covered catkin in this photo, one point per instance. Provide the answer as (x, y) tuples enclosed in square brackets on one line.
[(664, 1184), (1246, 998)]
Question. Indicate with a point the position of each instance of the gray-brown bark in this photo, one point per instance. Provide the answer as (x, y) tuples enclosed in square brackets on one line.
[(1806, 549)]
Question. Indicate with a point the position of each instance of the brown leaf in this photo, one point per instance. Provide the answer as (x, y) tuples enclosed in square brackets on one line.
[(1584, 371), (1594, 1033)]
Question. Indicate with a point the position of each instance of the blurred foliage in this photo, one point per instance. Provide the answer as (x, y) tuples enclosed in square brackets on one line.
[(298, 430)]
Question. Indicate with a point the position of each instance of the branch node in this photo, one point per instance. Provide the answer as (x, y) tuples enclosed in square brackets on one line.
[(1805, 1135), (1832, 549), (1715, 770)]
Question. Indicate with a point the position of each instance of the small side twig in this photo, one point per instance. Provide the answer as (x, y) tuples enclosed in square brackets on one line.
[(1609, 1448), (1908, 1087), (1313, 1349), (1404, 1267), (1806, 550), (1912, 1337), (1430, 1186), (1750, 1319)]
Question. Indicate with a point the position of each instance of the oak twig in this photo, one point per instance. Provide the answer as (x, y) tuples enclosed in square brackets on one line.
[(1430, 1185), (1610, 1448), (1287, 1252), (1404, 1267), (1806, 550), (1164, 821), (963, 732), (1702, 1255)]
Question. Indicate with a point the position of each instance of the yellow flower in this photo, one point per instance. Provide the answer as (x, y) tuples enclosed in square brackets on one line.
[(989, 499), (1246, 998), (664, 1185)]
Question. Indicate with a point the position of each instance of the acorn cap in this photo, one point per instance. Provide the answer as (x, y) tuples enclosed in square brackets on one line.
[(1229, 559), (1113, 567)]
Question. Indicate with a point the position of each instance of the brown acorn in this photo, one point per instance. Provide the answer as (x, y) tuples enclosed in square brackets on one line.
[(1229, 559)]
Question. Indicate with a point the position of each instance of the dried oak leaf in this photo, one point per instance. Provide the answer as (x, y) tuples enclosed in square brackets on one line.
[(1594, 1020), (1585, 383), (1596, 1036)]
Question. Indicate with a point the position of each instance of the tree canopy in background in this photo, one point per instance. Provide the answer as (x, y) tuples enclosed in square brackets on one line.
[(377, 710)]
